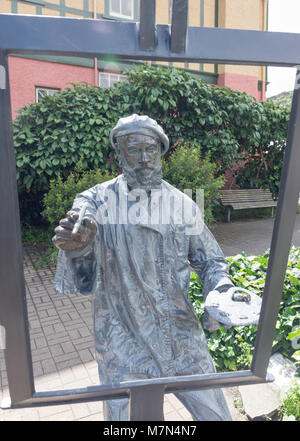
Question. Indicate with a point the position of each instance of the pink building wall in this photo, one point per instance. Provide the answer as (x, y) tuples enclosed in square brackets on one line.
[(243, 83), (26, 74)]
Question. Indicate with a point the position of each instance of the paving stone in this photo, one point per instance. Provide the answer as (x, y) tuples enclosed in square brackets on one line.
[(48, 366), (67, 376), (185, 414), (62, 416), (37, 368), (41, 354), (48, 383), (84, 332), (40, 342), (48, 330), (59, 327), (95, 407), (68, 347), (65, 357), (80, 372), (30, 414), (173, 416), (259, 400), (85, 355), (94, 417), (56, 350), (80, 410)]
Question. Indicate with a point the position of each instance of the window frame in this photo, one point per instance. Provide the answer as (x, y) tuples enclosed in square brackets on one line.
[(120, 15), (46, 88), (113, 16), (110, 73)]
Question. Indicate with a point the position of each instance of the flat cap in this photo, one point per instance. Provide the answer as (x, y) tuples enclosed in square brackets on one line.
[(139, 124)]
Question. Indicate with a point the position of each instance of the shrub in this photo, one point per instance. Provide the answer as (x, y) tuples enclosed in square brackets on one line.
[(61, 195), (232, 348), (186, 169), (263, 165), (52, 135), (223, 121), (291, 403)]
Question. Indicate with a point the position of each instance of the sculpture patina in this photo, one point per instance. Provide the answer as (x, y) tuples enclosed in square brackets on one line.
[(116, 244)]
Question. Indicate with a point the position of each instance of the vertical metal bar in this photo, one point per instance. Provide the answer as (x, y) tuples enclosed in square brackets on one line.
[(281, 240), (179, 26), (147, 25), (216, 26), (147, 403), (13, 312), (201, 24)]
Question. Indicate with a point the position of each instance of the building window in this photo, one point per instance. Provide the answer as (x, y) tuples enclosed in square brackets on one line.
[(121, 8), (41, 92), (107, 79)]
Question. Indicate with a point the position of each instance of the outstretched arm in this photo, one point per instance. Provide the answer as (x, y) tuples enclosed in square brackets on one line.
[(208, 261), (74, 237)]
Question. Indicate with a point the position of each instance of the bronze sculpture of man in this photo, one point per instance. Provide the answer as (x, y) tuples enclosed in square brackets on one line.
[(116, 245)]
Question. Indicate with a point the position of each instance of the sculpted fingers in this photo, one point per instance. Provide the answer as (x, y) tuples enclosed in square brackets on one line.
[(74, 231), (72, 215), (61, 231), (60, 242), (67, 223), (89, 224)]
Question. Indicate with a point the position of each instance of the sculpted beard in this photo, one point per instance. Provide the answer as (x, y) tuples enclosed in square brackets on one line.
[(146, 178)]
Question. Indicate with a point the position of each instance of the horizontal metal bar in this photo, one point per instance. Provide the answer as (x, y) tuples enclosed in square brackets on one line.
[(86, 38), (122, 390)]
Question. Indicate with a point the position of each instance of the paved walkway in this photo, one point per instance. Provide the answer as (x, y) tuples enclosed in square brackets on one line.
[(253, 236), (61, 333)]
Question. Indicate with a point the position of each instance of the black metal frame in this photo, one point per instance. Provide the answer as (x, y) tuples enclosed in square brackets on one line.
[(82, 37)]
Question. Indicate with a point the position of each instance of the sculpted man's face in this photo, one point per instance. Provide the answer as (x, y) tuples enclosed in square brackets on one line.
[(141, 160)]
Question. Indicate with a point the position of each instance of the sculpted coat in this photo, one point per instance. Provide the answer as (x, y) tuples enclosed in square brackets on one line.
[(139, 275)]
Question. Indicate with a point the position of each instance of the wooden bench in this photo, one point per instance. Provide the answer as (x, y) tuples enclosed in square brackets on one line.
[(242, 199)]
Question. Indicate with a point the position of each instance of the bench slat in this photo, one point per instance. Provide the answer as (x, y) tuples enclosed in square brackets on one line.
[(246, 199), (241, 206), (249, 197)]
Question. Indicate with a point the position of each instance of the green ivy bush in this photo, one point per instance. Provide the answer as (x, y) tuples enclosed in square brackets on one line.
[(263, 165), (52, 135), (187, 169), (223, 121), (59, 200), (232, 349)]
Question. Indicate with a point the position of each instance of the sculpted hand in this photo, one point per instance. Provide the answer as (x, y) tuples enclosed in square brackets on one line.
[(239, 296), (68, 238)]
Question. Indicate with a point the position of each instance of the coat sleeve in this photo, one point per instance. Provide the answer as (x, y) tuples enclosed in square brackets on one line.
[(208, 261), (76, 271)]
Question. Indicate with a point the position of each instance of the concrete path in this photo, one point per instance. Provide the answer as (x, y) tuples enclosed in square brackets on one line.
[(61, 333), (252, 237)]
